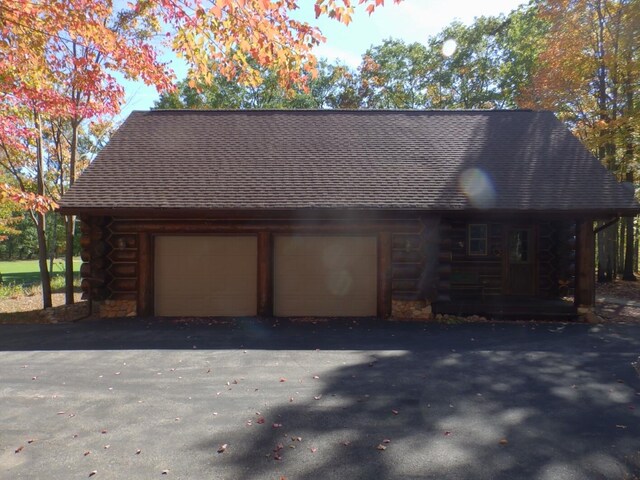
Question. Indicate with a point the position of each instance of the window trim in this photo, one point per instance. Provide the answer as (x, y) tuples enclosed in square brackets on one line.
[(485, 239)]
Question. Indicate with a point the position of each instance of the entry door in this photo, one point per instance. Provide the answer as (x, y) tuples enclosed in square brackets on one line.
[(520, 261)]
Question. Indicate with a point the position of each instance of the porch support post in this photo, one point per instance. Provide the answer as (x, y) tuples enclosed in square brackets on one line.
[(265, 274), (585, 286), (384, 274), (145, 275)]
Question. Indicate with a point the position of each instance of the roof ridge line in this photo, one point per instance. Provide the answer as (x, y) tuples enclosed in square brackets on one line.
[(338, 111)]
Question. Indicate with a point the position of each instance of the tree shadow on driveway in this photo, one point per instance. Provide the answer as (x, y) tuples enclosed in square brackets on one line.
[(481, 414), (495, 401)]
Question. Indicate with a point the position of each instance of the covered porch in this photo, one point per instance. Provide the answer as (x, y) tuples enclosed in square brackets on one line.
[(510, 307), (521, 270)]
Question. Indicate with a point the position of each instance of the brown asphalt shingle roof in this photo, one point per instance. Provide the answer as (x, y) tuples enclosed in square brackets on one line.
[(327, 159)]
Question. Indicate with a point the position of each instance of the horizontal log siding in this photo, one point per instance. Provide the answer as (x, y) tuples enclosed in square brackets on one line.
[(557, 253), (414, 259), (119, 261), (94, 252), (123, 268), (475, 276)]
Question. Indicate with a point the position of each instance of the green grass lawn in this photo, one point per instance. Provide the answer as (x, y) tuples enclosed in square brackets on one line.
[(26, 272)]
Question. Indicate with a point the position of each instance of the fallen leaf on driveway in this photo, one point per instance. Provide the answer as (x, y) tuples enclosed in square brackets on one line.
[(381, 447), (222, 448), (19, 449), (313, 449)]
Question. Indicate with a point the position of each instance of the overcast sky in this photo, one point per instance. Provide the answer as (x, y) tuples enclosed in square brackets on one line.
[(412, 21)]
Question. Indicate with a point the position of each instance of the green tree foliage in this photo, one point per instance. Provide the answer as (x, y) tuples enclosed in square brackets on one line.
[(396, 75), (588, 71), (493, 60), (334, 87)]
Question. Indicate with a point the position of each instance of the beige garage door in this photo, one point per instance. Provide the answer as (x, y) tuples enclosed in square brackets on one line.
[(205, 276), (325, 276)]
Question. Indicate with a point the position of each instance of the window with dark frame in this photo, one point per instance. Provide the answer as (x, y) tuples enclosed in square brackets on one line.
[(477, 244)]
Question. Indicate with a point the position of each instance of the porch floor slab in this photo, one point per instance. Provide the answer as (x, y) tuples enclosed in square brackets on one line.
[(509, 307)]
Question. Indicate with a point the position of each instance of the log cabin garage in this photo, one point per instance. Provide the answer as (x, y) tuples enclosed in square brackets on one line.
[(342, 214)]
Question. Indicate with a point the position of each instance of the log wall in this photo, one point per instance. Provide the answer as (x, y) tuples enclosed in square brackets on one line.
[(481, 276), (475, 276), (122, 271), (420, 260)]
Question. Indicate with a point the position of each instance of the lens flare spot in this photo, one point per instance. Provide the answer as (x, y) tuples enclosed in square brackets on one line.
[(449, 47), (339, 282), (478, 188)]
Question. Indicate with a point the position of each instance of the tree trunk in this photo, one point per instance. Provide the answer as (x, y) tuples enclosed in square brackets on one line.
[(39, 218), (637, 248), (615, 250), (621, 244), (630, 242), (631, 249), (70, 220), (53, 241), (602, 257), (42, 260), (68, 260), (629, 252)]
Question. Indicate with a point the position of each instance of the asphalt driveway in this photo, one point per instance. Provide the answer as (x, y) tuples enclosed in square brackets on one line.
[(133, 399)]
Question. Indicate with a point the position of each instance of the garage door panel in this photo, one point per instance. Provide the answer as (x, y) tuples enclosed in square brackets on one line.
[(232, 305), (336, 283), (206, 275), (181, 305), (301, 305), (222, 247), (325, 275)]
